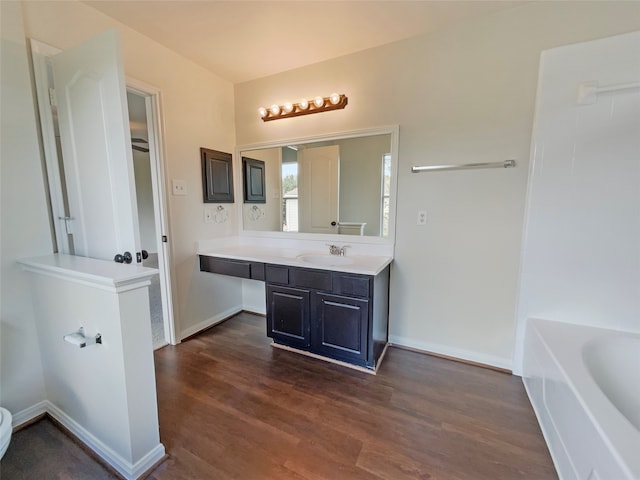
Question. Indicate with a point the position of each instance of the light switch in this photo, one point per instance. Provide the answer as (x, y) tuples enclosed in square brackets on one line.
[(179, 187), (208, 215)]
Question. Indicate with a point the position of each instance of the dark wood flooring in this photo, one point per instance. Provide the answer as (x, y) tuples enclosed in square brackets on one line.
[(233, 407)]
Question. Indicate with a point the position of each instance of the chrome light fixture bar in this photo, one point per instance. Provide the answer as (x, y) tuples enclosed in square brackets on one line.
[(319, 104)]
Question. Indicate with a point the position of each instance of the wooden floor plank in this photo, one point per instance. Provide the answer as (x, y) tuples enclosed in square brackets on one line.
[(231, 406)]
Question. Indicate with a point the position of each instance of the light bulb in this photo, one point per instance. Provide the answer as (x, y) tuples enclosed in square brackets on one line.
[(318, 101), (303, 104), (288, 107), (334, 99), (275, 109), (262, 111)]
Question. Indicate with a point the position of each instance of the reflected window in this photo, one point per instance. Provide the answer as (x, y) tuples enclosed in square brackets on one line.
[(386, 191), (290, 197)]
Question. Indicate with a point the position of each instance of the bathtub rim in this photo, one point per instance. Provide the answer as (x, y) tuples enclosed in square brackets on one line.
[(613, 427)]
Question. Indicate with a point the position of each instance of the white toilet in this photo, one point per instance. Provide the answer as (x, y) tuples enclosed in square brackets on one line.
[(5, 430)]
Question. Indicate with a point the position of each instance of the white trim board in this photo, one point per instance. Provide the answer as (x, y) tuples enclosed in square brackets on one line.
[(127, 469), (444, 350), (210, 322)]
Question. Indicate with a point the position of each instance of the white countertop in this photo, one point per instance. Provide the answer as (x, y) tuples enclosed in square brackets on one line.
[(360, 264), (103, 274)]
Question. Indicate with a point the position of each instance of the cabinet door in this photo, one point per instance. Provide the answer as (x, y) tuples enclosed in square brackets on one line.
[(288, 315), (341, 327)]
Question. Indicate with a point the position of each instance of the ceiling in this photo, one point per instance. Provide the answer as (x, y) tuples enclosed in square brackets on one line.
[(244, 40)]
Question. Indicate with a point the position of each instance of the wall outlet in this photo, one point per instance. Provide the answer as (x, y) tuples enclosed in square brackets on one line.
[(178, 187), (208, 215), (422, 218)]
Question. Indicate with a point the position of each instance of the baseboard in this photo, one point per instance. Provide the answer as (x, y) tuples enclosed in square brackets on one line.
[(125, 468), (29, 415), (198, 327), (452, 353), (255, 309), (120, 465)]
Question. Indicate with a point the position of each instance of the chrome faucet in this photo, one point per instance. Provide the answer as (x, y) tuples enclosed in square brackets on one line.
[(336, 250)]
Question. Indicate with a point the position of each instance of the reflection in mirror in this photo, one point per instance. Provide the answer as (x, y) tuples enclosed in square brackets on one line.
[(340, 186)]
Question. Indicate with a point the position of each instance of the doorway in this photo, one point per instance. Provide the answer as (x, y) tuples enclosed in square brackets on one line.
[(143, 167), (145, 121)]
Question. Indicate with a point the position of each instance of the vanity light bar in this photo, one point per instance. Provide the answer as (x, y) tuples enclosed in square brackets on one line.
[(304, 107)]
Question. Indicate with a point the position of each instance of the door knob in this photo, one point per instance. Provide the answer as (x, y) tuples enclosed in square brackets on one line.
[(333, 224), (124, 258)]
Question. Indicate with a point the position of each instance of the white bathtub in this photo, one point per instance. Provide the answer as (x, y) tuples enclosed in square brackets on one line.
[(584, 385)]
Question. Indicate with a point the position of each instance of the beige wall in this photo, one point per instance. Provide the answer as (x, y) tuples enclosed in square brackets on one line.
[(25, 228), (462, 95), (198, 112)]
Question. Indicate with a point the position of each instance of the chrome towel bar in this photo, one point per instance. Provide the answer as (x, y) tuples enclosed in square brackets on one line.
[(432, 168)]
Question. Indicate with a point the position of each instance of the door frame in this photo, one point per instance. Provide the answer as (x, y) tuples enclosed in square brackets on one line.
[(155, 125)]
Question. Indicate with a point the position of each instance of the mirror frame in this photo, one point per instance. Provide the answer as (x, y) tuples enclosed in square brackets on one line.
[(392, 130)]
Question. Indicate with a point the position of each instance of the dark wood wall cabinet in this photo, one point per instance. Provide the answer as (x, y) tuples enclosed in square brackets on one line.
[(254, 184), (342, 316), (217, 176)]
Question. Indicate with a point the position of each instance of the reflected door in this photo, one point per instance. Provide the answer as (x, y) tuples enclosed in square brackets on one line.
[(318, 181)]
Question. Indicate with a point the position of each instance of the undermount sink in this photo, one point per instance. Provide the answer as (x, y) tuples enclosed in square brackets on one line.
[(326, 260)]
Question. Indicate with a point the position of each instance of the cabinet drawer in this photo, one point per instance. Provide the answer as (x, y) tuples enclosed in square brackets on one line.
[(316, 279), (235, 268), (257, 271), (351, 285), (276, 274)]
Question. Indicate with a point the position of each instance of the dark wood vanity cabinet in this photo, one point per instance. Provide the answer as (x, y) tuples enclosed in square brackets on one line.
[(343, 316), (234, 268), (347, 315), (288, 315), (341, 327)]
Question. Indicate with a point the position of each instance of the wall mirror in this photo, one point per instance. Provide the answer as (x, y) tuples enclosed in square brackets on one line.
[(341, 184)]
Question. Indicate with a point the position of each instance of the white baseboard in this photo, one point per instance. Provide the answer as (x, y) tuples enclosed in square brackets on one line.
[(125, 468), (257, 309), (28, 414), (187, 332), (461, 354)]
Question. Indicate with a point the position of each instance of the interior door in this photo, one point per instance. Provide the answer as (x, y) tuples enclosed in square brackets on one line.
[(96, 147), (318, 177)]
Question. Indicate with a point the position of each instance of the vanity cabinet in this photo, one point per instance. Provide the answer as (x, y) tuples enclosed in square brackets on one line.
[(234, 268), (339, 315), (341, 327), (288, 315), (343, 316)]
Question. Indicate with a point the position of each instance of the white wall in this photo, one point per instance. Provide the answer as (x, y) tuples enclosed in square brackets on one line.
[(25, 225), (581, 255), (465, 94), (198, 112)]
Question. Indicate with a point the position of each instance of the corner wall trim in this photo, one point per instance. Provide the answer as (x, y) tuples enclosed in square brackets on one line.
[(24, 417)]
